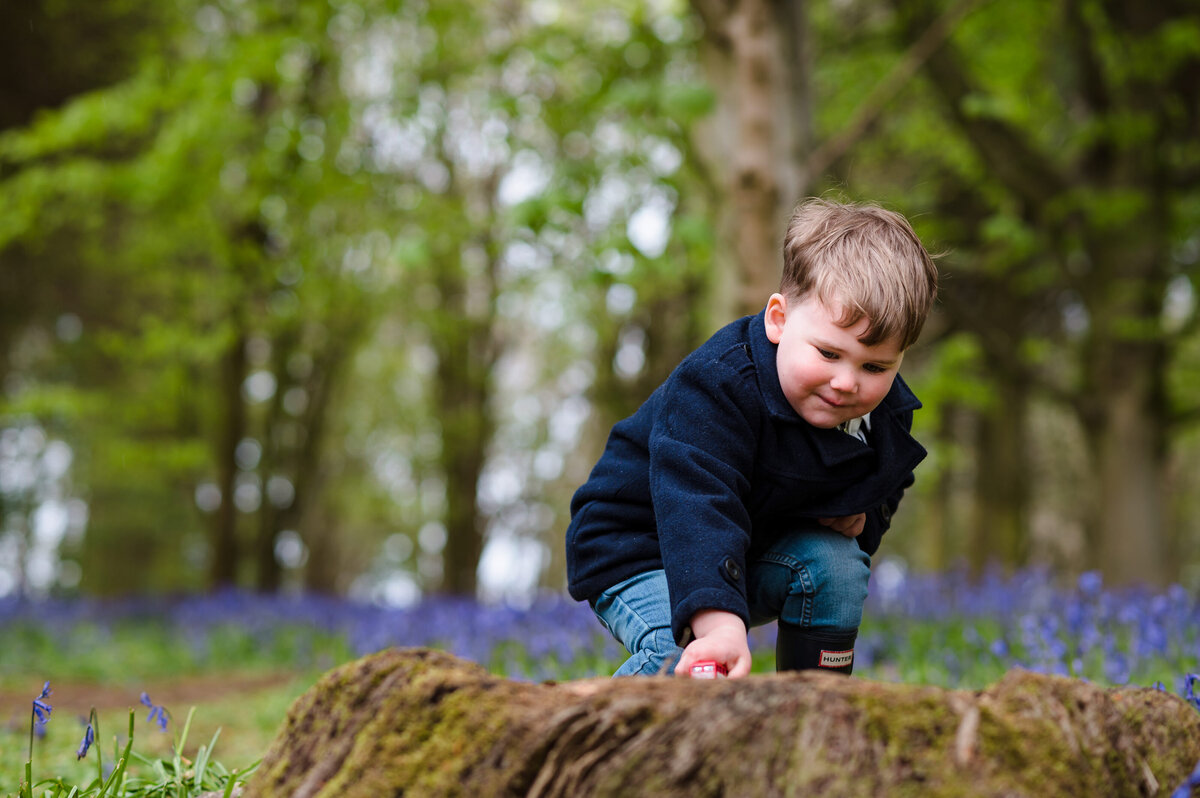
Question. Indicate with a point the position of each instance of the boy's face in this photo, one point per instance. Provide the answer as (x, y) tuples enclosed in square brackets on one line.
[(826, 373)]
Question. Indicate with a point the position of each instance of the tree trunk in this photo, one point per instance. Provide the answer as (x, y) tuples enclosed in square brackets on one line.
[(323, 573), (1129, 531), (466, 347), (302, 460), (941, 523), (757, 66), (754, 56), (1001, 531), (225, 549), (462, 465), (418, 722), (268, 574), (1124, 405)]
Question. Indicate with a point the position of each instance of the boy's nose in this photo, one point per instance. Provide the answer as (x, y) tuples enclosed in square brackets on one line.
[(843, 381)]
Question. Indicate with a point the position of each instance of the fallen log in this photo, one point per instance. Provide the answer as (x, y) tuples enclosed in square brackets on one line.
[(417, 722)]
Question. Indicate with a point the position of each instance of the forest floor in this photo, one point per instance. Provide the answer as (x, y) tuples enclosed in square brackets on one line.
[(237, 715), (77, 699)]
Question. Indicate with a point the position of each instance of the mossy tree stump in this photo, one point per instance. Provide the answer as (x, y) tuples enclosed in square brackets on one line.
[(423, 723)]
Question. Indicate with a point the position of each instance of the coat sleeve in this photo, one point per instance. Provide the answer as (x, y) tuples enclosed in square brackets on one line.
[(702, 453), (879, 519)]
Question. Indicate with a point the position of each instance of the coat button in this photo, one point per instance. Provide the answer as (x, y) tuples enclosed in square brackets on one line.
[(886, 512), (732, 569)]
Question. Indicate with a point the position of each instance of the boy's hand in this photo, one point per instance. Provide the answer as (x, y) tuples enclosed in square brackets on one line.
[(720, 636), (849, 525)]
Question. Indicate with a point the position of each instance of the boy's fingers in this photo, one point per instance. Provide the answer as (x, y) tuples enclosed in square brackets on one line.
[(849, 525), (740, 669), (689, 656)]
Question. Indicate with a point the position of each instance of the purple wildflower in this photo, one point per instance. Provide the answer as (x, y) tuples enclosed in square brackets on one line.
[(1091, 583), (41, 709), (89, 736), (1192, 782), (1189, 689), (39, 717), (157, 713)]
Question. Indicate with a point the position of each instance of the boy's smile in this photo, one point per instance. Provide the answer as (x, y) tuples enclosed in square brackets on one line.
[(827, 375)]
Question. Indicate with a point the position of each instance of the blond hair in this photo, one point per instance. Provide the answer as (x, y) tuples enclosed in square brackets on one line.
[(864, 259)]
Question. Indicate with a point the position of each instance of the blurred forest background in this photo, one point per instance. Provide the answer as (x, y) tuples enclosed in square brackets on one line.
[(344, 295)]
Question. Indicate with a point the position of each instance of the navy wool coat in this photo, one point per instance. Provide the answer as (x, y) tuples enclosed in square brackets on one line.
[(715, 465)]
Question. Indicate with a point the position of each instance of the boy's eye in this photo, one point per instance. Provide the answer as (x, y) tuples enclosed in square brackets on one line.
[(827, 354), (874, 369)]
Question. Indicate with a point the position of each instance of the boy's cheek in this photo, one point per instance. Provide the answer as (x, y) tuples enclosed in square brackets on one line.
[(880, 390)]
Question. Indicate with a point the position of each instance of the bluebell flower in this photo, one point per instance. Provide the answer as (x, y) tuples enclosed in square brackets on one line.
[(41, 709), (1091, 583), (1193, 781), (89, 736), (1116, 667), (39, 717), (157, 714), (1189, 689)]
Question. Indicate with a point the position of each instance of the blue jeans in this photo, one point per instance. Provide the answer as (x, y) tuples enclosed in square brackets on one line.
[(815, 578)]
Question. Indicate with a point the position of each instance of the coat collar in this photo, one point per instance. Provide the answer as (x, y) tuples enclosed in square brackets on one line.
[(833, 446), (763, 352)]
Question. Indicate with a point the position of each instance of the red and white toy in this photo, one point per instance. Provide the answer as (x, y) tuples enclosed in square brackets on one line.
[(709, 669)]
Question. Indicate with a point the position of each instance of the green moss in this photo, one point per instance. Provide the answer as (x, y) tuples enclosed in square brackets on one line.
[(426, 735), (424, 723)]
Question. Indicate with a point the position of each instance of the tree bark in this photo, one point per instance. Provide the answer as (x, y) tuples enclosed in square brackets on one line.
[(937, 525), (1132, 530), (761, 144), (754, 56), (1002, 489), (1128, 530), (226, 551), (467, 345), (302, 460), (419, 722), (756, 191), (1124, 400)]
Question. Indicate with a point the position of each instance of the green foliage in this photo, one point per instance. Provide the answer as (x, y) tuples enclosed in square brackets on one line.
[(1034, 148), (134, 775), (168, 201), (367, 210), (313, 199), (955, 374)]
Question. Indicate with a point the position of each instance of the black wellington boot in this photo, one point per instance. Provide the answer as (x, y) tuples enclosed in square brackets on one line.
[(798, 649)]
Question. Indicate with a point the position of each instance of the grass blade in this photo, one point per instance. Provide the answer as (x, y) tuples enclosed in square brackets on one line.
[(183, 735), (178, 758), (118, 775), (202, 760), (229, 785)]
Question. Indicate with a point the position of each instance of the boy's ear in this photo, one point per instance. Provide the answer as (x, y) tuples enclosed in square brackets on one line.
[(775, 317)]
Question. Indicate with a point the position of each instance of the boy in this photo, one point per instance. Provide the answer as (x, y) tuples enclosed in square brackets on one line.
[(755, 483)]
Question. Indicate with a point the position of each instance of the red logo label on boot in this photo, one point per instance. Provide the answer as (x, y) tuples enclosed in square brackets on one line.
[(836, 659)]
